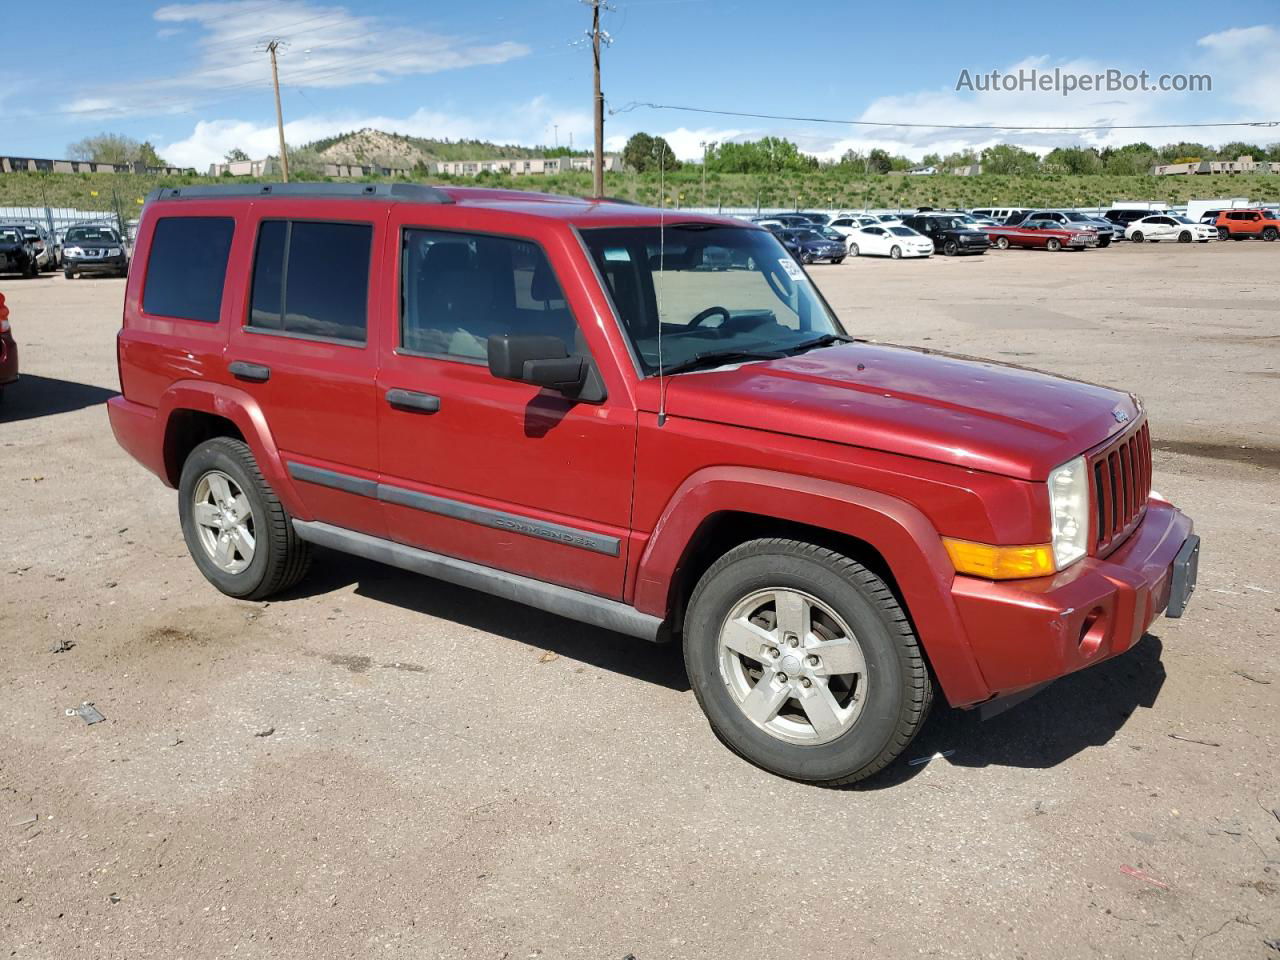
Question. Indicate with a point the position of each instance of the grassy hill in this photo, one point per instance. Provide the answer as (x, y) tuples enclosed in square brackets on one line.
[(403, 151), (824, 188)]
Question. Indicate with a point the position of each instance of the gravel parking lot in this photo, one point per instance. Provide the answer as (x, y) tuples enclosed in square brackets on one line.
[(383, 764)]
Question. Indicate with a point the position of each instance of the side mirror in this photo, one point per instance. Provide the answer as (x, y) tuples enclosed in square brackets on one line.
[(544, 362)]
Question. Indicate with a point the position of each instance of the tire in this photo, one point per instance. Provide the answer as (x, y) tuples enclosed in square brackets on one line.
[(1184, 236), (68, 273), (951, 248), (1223, 233), (835, 260), (1053, 244), (1137, 236), (279, 557), (1002, 243), (1269, 234), (1104, 242), (880, 718), (33, 269), (853, 250), (895, 252)]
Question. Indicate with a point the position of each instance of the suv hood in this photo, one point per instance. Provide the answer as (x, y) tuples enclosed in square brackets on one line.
[(972, 413)]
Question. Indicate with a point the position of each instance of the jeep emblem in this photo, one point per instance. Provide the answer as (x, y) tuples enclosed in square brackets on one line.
[(1120, 415)]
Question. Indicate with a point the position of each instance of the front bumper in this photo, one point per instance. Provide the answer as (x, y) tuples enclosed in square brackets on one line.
[(1024, 633), (8, 360), (118, 264)]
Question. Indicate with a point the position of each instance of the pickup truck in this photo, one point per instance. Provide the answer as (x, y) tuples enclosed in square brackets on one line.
[(1043, 234)]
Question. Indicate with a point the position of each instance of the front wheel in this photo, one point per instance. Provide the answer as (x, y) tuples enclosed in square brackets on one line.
[(1269, 234), (836, 260), (951, 248), (895, 252), (237, 531), (1137, 236), (1104, 242), (69, 273), (804, 662), (1184, 236), (1002, 243), (1053, 245)]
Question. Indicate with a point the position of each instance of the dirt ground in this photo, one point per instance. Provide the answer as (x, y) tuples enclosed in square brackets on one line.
[(385, 765)]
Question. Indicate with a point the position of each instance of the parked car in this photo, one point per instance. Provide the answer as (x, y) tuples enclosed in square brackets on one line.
[(45, 246), (1243, 224), (834, 530), (889, 240), (1043, 235), (809, 246), (998, 214), (818, 219), (8, 350), (790, 220), (950, 235), (1169, 227), (849, 223), (17, 254), (1121, 217), (1071, 220), (95, 248), (889, 217)]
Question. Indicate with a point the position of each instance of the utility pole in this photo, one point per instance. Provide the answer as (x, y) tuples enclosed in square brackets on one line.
[(703, 145), (275, 82), (597, 35)]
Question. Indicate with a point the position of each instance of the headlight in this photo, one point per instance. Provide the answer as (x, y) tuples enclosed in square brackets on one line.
[(1069, 511), (113, 252), (73, 252)]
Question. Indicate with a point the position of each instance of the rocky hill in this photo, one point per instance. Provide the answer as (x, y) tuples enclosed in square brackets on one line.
[(401, 150)]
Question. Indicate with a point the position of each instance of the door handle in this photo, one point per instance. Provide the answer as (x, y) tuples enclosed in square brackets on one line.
[(254, 372), (412, 401)]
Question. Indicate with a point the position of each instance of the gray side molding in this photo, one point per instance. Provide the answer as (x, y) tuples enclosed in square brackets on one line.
[(563, 601)]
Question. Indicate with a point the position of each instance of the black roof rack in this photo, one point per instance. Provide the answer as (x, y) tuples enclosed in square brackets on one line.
[(407, 192)]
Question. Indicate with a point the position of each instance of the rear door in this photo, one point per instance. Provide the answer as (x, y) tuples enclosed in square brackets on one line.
[(500, 473), (304, 348)]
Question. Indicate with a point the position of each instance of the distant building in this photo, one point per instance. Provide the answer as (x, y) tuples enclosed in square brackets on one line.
[(526, 166), (1241, 164), (922, 171), (243, 168), (34, 165), (364, 170), (968, 170)]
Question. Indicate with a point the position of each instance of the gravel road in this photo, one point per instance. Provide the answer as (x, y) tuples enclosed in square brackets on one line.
[(380, 764)]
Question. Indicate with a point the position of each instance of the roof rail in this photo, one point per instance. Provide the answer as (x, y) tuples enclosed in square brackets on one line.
[(408, 192)]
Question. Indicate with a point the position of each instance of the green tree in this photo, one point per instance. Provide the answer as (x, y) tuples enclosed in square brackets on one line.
[(1009, 159), (644, 153), (105, 148), (1229, 151), (1074, 160), (235, 154), (148, 157)]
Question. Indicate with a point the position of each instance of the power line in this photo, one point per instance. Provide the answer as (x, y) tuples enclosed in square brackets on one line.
[(1032, 127)]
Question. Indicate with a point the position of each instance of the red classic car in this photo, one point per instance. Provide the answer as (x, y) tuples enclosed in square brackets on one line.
[(1041, 233)]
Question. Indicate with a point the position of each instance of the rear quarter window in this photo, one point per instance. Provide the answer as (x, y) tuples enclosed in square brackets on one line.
[(187, 267)]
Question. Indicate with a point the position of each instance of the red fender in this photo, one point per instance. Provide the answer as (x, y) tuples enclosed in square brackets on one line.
[(901, 533)]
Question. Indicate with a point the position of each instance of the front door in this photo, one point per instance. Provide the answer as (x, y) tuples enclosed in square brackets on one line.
[(500, 473)]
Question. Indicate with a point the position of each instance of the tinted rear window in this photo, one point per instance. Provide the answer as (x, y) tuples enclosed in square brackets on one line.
[(187, 267), (312, 279)]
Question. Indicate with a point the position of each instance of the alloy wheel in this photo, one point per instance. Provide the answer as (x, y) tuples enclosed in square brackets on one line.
[(224, 521), (793, 666)]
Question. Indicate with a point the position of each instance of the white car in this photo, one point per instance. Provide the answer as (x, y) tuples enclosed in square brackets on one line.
[(846, 224), (889, 240), (1169, 226)]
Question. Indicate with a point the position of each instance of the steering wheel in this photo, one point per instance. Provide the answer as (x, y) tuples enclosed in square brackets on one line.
[(709, 312)]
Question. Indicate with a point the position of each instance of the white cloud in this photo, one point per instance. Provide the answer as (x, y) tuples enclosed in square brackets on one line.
[(322, 46)]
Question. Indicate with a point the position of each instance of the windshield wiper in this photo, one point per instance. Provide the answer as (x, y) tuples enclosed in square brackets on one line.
[(716, 358), (826, 340)]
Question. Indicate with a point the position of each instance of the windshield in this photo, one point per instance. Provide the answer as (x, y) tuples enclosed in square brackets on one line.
[(11, 234), (1078, 217), (91, 234), (808, 236), (1181, 219), (903, 231), (761, 301)]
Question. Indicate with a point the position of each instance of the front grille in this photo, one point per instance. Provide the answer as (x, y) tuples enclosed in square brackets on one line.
[(1121, 485)]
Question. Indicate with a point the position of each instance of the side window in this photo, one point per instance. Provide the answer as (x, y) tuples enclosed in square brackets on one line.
[(458, 289), (187, 267), (311, 279)]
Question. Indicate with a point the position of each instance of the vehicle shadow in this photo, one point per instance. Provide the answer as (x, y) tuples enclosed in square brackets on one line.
[(660, 664), (33, 396), (1085, 709)]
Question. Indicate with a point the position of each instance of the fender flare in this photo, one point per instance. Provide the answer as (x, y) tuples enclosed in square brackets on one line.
[(903, 536), (244, 411)]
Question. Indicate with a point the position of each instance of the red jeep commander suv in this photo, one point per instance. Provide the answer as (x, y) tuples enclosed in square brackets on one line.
[(645, 420)]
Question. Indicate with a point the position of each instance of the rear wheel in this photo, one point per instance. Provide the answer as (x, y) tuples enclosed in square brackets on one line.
[(853, 250), (1223, 233), (1002, 243), (237, 531), (1137, 236), (804, 662), (895, 252)]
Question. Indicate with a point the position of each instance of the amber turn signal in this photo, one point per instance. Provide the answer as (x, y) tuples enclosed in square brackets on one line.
[(1000, 563)]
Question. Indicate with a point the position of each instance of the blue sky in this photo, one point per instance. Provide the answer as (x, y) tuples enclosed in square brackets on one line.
[(192, 77)]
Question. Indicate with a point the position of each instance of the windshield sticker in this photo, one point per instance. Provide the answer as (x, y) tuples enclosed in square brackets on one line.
[(792, 268)]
